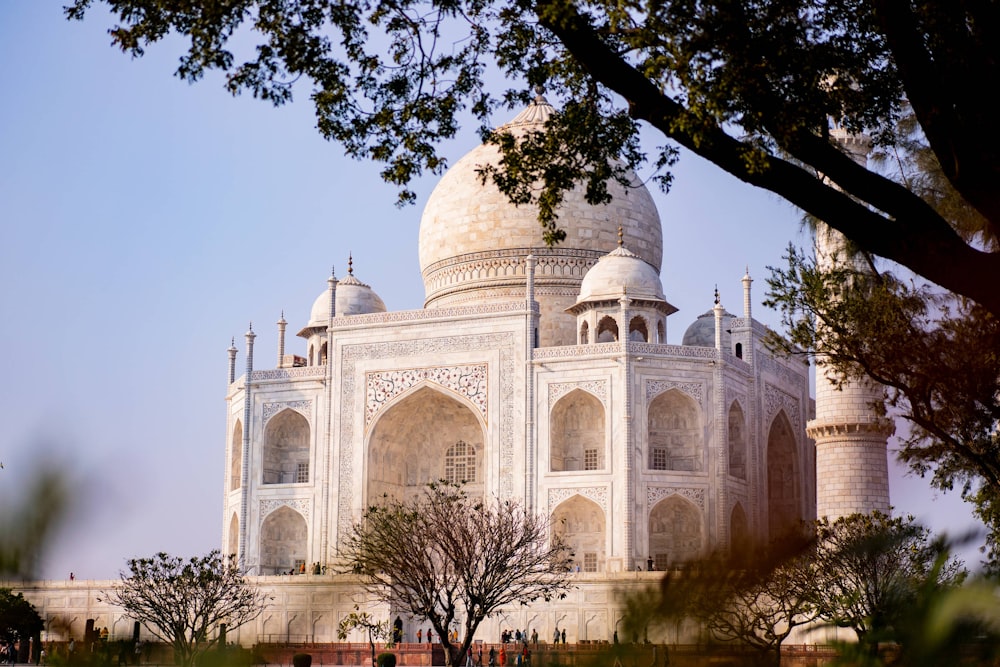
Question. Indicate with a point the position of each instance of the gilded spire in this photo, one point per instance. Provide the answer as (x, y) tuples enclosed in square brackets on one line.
[(621, 236)]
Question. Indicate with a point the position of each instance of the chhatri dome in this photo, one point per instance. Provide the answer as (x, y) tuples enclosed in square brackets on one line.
[(473, 241), (353, 298)]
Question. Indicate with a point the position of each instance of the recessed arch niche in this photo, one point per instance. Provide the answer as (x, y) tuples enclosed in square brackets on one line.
[(283, 541), (675, 532), (783, 490), (236, 457), (737, 442), (580, 523), (577, 433), (425, 436), (286, 448), (234, 535), (638, 331), (674, 428)]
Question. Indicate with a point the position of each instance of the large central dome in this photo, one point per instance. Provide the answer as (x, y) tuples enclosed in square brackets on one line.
[(473, 241)]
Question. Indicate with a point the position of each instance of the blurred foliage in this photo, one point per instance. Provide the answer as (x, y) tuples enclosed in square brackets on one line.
[(29, 521)]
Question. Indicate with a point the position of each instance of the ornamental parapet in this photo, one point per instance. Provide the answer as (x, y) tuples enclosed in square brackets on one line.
[(428, 314), (289, 373)]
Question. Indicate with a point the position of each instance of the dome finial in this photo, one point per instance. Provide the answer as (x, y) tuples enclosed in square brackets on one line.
[(540, 94), (350, 264), (621, 236), (716, 295), (333, 270)]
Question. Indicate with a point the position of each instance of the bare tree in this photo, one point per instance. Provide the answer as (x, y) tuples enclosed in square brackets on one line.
[(445, 558), (181, 601)]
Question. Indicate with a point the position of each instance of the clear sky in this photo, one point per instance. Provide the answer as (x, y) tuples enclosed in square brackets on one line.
[(145, 221)]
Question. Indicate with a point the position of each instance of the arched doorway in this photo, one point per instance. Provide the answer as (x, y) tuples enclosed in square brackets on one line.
[(283, 542), (783, 483), (426, 436), (576, 433), (675, 441), (286, 449), (581, 525), (675, 532)]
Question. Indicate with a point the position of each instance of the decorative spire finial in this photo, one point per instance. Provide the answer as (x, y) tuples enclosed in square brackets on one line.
[(716, 295), (621, 236), (350, 264)]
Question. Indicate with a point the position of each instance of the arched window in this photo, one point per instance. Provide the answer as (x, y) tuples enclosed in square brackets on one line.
[(637, 330), (322, 355), (607, 330), (739, 350), (460, 463), (584, 333)]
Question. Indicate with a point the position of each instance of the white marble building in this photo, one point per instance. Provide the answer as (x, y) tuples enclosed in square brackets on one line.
[(535, 373)]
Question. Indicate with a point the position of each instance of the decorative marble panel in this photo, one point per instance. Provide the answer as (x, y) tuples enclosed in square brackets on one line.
[(598, 388), (302, 407), (695, 390), (785, 374), (655, 494), (369, 319), (469, 381), (599, 494), (289, 373)]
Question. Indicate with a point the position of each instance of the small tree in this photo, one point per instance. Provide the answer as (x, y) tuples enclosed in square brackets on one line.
[(870, 568), (18, 617), (376, 630), (180, 602), (443, 557)]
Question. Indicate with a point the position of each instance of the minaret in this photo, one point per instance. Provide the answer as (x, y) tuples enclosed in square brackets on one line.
[(245, 473), (281, 339), (852, 470), (232, 360)]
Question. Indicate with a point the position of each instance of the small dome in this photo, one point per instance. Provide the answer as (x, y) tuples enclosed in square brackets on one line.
[(701, 333), (620, 271), (353, 298)]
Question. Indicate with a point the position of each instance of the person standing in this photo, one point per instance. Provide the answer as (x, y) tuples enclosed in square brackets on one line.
[(555, 636), (503, 655), (420, 635), (564, 636), (493, 657), (429, 635)]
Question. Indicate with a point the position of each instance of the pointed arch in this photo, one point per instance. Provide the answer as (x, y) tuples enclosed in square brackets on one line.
[(286, 448), (580, 523), (322, 354), (584, 333), (737, 437), (638, 330), (577, 433), (676, 533), (236, 457), (284, 539), (415, 439), (784, 496), (675, 433), (607, 330), (234, 535)]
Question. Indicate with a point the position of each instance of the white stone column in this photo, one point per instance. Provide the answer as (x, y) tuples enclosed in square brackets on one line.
[(282, 324), (232, 360)]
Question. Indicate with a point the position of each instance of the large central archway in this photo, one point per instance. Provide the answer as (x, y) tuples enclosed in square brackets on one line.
[(426, 436)]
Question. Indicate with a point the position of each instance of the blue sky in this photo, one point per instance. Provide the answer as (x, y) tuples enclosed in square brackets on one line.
[(145, 221)]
